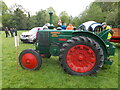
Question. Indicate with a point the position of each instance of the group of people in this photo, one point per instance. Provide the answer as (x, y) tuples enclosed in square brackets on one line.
[(64, 27), (70, 27), (11, 30)]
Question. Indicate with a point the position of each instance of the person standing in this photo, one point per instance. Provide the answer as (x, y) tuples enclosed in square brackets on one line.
[(105, 27), (70, 27), (59, 23), (63, 26), (11, 32), (6, 32)]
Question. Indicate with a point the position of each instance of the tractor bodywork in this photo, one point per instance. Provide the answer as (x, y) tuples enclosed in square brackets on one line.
[(80, 53), (51, 41)]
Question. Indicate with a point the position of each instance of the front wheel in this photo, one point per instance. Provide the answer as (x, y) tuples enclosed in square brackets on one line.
[(81, 56), (30, 60)]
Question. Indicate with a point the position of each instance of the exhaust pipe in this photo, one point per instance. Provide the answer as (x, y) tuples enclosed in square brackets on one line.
[(51, 24)]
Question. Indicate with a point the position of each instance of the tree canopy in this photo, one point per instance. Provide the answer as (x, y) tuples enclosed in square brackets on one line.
[(64, 17), (16, 16), (102, 12)]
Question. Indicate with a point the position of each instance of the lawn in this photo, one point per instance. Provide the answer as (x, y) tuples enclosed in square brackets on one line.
[(50, 75)]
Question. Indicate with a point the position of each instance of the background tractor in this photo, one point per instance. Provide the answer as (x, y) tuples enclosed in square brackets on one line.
[(116, 36), (80, 52)]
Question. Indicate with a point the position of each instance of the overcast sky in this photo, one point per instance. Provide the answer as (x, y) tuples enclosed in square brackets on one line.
[(72, 7)]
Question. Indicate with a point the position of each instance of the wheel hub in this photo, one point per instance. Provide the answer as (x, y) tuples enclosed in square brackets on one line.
[(29, 61), (81, 58)]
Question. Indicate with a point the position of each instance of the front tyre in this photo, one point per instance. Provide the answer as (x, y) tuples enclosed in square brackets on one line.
[(30, 60), (81, 56)]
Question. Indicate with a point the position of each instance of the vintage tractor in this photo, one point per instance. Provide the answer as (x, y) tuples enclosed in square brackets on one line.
[(80, 52)]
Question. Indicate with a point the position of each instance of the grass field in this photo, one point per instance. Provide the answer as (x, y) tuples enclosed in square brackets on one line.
[(50, 75)]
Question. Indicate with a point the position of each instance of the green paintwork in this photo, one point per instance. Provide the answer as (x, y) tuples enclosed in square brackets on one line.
[(51, 25), (109, 62), (50, 13), (53, 48), (110, 47)]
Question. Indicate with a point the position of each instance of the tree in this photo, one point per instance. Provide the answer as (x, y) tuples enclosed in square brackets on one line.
[(51, 9), (63, 13), (6, 20), (42, 17), (19, 19), (55, 20), (64, 17), (17, 6), (75, 21), (112, 18), (93, 13), (21, 16), (118, 14), (28, 21), (32, 22), (5, 15), (14, 17), (107, 6), (110, 9), (4, 8)]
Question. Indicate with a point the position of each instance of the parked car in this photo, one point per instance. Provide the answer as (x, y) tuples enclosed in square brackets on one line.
[(30, 36)]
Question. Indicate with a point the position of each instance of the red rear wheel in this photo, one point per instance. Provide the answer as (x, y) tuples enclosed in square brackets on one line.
[(30, 59), (81, 56)]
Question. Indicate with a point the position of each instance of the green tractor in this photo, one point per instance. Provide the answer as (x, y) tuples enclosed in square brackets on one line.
[(80, 53)]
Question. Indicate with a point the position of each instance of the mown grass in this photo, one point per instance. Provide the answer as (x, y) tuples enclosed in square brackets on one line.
[(50, 75), (0, 60)]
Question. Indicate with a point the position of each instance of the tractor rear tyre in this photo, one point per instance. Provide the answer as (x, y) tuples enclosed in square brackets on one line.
[(30, 60), (81, 56)]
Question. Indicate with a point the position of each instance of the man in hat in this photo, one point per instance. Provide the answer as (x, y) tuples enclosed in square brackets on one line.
[(105, 27)]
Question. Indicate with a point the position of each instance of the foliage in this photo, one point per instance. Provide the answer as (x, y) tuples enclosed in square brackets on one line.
[(93, 13), (41, 17), (112, 17), (63, 13), (111, 10), (5, 16), (55, 20), (101, 12), (51, 9), (50, 75), (19, 19), (64, 17), (17, 6), (17, 16), (4, 8), (32, 22), (6, 20), (75, 21)]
